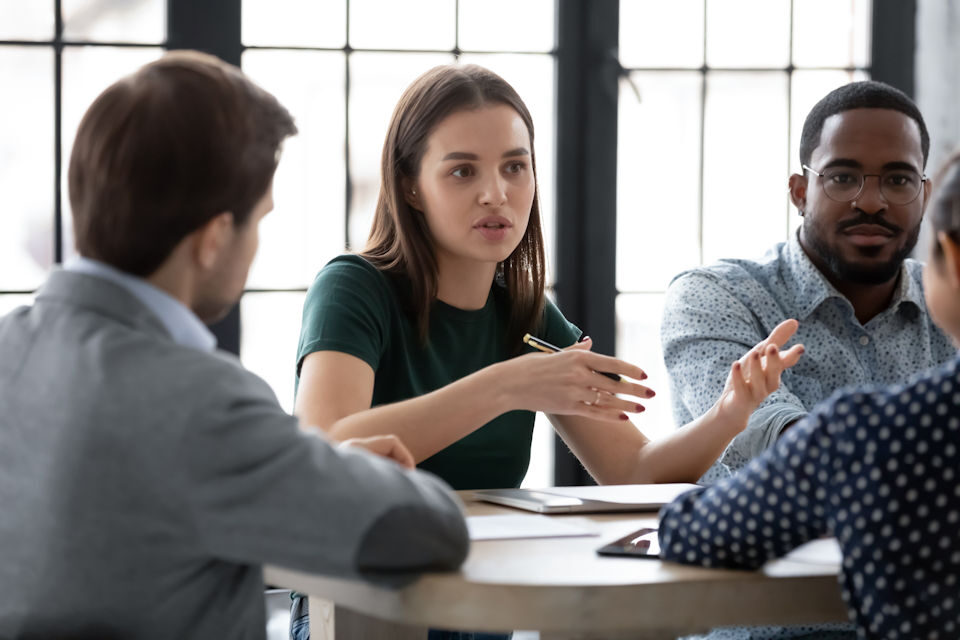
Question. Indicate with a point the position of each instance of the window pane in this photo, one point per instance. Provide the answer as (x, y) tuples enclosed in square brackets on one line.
[(294, 23), (540, 472), (376, 82), (307, 226), (483, 26), (87, 71), (658, 194), (115, 20), (831, 33), (748, 33), (268, 339), (654, 33), (411, 24), (21, 20), (745, 164), (9, 302), (26, 166), (638, 342), (532, 76)]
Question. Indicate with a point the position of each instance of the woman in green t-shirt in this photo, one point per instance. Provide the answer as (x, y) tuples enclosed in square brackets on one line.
[(420, 335)]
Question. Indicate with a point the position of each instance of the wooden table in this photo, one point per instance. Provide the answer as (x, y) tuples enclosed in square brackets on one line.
[(563, 588)]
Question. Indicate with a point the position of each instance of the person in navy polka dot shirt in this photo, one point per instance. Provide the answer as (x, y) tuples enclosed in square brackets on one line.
[(844, 276), (877, 467)]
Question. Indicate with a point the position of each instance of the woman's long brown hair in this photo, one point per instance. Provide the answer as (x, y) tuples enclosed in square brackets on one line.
[(400, 243)]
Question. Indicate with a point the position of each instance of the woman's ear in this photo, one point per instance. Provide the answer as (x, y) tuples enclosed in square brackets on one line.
[(411, 194), (951, 258), (212, 239)]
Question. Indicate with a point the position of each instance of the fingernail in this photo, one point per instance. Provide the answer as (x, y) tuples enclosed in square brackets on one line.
[(643, 377), (584, 338), (638, 408), (623, 416), (651, 393)]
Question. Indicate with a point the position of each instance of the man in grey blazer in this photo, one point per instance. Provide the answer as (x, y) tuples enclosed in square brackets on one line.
[(144, 476)]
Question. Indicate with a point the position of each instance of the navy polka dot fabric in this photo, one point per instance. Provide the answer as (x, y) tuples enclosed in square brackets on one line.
[(876, 468), (715, 314)]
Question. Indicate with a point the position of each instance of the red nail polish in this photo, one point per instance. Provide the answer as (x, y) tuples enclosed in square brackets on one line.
[(623, 416), (651, 393)]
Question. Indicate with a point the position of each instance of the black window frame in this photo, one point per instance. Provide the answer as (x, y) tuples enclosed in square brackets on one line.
[(587, 80)]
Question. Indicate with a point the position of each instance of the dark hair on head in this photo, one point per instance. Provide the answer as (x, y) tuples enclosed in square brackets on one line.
[(945, 206), (163, 151), (868, 94), (400, 242)]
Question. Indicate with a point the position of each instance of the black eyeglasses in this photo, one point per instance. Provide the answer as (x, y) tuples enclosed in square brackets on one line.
[(844, 184)]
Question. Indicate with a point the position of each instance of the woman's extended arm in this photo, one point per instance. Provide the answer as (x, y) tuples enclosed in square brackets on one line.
[(621, 454)]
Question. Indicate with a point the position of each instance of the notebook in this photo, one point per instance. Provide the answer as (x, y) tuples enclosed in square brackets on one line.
[(624, 497)]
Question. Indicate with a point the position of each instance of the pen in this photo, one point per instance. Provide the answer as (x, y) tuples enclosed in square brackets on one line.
[(546, 347)]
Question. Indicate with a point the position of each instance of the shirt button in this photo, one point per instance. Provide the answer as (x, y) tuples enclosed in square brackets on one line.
[(864, 340)]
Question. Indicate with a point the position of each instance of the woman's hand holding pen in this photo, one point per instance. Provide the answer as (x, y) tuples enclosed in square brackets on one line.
[(757, 374), (575, 381)]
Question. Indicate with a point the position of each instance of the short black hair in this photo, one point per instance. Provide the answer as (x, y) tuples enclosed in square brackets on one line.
[(868, 94)]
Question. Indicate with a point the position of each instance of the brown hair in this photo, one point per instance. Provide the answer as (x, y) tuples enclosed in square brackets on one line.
[(163, 151), (400, 243), (945, 208)]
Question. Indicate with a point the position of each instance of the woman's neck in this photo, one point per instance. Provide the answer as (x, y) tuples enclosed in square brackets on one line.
[(464, 285)]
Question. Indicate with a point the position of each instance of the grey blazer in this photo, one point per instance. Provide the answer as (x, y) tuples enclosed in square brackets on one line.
[(143, 484)]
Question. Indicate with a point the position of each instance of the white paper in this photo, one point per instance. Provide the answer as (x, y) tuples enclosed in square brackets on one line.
[(652, 494), (821, 551), (511, 527)]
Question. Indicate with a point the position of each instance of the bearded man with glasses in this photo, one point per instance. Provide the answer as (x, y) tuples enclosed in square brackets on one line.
[(844, 275)]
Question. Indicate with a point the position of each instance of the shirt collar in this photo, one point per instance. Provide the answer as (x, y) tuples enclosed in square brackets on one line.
[(813, 288), (182, 324)]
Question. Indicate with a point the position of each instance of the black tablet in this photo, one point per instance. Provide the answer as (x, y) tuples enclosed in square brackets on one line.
[(642, 543)]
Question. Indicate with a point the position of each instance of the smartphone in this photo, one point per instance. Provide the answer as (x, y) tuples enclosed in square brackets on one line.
[(642, 543)]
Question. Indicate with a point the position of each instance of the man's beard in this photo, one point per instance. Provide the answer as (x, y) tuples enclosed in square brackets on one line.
[(846, 271)]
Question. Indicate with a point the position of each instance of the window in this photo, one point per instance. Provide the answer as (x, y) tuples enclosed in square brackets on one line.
[(723, 88), (706, 147), (57, 56)]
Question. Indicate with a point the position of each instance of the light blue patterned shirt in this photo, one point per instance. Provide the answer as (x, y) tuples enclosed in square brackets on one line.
[(714, 314)]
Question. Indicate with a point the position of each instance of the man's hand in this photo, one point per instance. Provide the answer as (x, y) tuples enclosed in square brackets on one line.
[(388, 446)]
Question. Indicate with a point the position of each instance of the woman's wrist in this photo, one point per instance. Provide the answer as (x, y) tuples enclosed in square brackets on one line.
[(500, 387), (729, 420)]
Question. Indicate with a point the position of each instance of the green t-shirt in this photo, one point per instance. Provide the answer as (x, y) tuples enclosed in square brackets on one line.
[(354, 308)]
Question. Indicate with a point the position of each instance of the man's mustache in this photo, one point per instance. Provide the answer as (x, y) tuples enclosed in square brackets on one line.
[(868, 218)]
